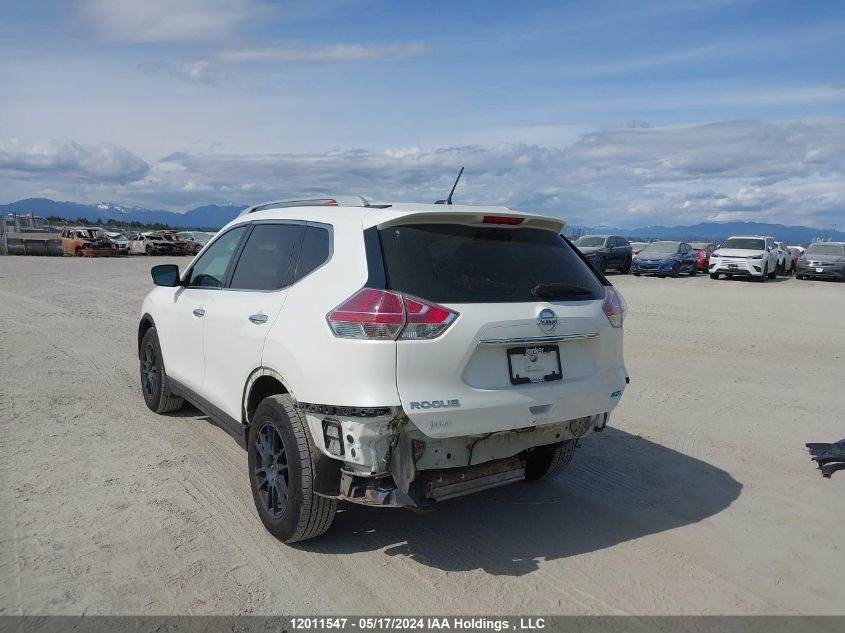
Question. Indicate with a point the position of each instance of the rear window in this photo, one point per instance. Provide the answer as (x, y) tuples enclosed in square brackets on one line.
[(452, 263), (826, 249)]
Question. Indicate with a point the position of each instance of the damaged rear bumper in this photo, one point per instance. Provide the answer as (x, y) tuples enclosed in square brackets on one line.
[(384, 460)]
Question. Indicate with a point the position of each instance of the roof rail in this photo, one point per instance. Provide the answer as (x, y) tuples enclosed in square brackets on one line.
[(336, 201)]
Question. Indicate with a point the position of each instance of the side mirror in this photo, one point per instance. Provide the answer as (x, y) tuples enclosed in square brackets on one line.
[(166, 275)]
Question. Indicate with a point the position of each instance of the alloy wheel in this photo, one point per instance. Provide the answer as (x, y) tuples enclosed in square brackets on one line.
[(271, 470), (150, 371)]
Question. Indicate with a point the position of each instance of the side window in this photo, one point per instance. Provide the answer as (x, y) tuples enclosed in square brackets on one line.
[(314, 253), (267, 258), (210, 270)]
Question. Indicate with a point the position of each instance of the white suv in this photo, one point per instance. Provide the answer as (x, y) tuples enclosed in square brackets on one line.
[(391, 355), (746, 256)]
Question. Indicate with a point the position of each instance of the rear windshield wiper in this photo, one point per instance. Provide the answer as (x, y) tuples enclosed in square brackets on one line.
[(549, 291)]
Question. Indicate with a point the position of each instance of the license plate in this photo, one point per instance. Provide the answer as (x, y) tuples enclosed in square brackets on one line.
[(819, 270), (732, 266), (533, 364)]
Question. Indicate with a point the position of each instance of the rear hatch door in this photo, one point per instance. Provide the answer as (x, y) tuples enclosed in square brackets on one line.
[(530, 345)]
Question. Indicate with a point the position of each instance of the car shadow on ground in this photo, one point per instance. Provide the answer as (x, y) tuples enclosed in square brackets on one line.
[(619, 487), (755, 280)]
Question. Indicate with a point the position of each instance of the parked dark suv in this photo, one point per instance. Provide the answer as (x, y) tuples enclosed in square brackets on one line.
[(606, 251)]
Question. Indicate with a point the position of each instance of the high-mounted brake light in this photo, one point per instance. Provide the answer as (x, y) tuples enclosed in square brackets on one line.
[(502, 219), (387, 315), (614, 306), (329, 203)]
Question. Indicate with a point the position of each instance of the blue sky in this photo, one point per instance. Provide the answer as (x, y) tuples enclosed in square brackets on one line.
[(617, 113)]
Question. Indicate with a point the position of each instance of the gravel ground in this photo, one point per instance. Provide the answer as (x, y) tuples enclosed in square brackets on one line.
[(700, 500)]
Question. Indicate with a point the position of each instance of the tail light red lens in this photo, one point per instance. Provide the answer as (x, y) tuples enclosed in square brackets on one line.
[(425, 320), (614, 306), (502, 219), (388, 315)]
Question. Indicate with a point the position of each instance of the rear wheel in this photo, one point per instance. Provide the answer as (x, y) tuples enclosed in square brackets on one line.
[(545, 462), (714, 275), (626, 267), (602, 265), (694, 271), (282, 464), (154, 384)]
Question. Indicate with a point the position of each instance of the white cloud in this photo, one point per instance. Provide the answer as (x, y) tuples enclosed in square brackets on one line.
[(167, 20), (789, 172), (71, 162), (198, 72), (211, 71), (304, 54)]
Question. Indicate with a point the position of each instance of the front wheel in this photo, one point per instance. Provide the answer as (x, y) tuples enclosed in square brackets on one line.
[(765, 275), (545, 462), (602, 265), (282, 464), (773, 274), (154, 384), (676, 270), (626, 267), (694, 271)]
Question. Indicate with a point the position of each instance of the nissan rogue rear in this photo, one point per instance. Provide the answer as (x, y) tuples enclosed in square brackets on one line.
[(391, 355)]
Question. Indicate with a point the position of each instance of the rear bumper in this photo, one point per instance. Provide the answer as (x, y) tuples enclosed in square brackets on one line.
[(410, 481)]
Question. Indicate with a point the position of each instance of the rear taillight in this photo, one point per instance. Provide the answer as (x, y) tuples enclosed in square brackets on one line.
[(614, 306), (387, 315), (425, 320), (369, 314)]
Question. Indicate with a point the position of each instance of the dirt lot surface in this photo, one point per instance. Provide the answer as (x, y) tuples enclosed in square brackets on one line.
[(700, 499)]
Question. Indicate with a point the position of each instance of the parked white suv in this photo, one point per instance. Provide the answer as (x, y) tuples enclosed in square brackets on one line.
[(391, 355), (745, 256)]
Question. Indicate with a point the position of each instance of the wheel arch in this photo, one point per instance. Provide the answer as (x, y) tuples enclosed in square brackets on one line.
[(262, 383), (145, 324)]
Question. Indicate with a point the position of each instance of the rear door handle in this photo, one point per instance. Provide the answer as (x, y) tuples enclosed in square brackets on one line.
[(199, 312), (258, 318)]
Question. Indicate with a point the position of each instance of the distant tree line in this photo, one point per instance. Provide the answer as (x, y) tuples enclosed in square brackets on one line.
[(135, 225)]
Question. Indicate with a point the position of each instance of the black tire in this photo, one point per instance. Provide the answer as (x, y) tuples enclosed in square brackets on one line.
[(78, 251), (602, 265), (279, 439), (762, 278), (799, 276), (546, 462), (773, 274), (637, 274), (694, 271), (626, 267), (728, 276), (676, 270), (714, 275), (148, 250), (154, 384)]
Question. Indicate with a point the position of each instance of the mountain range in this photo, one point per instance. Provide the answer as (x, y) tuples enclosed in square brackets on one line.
[(215, 216)]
